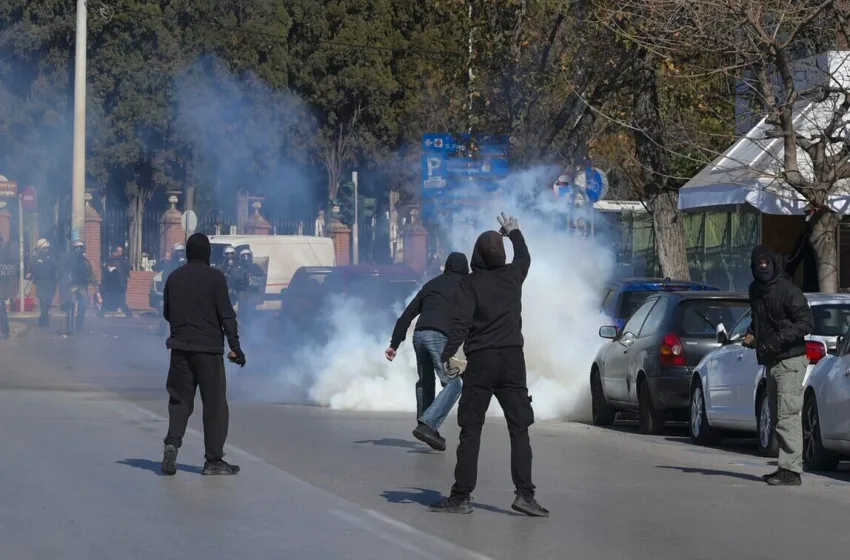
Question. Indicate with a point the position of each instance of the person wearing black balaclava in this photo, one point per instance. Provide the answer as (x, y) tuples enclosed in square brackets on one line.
[(198, 310), (488, 322), (434, 305), (781, 319)]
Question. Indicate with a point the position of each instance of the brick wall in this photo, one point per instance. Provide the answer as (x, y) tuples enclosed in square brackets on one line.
[(138, 289)]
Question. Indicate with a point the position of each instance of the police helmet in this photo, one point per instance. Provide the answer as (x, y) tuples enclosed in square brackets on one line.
[(78, 245), (42, 244), (178, 247), (246, 254), (229, 250)]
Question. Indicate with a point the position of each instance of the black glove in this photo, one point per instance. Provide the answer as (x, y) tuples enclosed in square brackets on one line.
[(237, 357)]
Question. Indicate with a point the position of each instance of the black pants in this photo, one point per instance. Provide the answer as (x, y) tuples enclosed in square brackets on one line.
[(500, 372), (186, 372), (45, 301), (115, 301), (74, 322)]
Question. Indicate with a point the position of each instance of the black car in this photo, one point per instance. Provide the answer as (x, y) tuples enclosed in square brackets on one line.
[(647, 366)]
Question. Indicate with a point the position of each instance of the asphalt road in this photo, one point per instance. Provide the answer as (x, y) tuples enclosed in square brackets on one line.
[(83, 421)]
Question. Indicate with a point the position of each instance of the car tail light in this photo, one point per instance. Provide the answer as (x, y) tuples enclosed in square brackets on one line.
[(815, 351), (672, 352)]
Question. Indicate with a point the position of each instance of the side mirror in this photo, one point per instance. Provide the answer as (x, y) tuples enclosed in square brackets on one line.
[(608, 332), (722, 335)]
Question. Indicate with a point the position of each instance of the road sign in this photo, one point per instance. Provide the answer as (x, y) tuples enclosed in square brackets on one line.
[(29, 200), (8, 189), (594, 183), (189, 221)]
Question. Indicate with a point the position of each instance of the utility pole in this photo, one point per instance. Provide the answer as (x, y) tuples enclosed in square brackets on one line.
[(355, 229), (471, 77), (78, 189)]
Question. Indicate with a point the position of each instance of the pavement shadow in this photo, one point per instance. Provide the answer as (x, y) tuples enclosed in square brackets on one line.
[(713, 472), (393, 442), (426, 497), (154, 466), (742, 446), (842, 474)]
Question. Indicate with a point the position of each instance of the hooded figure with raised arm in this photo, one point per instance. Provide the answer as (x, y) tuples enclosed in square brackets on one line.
[(781, 319)]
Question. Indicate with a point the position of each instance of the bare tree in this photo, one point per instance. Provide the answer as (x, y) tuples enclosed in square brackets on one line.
[(338, 150), (777, 51)]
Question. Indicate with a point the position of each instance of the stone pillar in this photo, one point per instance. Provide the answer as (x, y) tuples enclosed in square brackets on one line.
[(416, 244), (341, 235), (171, 230), (5, 223), (257, 225), (91, 237)]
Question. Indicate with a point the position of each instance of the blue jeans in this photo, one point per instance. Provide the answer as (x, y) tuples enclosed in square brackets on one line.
[(431, 411)]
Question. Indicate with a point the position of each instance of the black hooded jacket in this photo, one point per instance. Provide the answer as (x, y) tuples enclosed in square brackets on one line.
[(196, 303), (489, 302), (435, 302), (781, 316)]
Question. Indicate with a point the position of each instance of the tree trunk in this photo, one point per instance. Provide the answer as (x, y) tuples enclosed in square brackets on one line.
[(669, 227), (668, 221), (826, 250), (189, 202)]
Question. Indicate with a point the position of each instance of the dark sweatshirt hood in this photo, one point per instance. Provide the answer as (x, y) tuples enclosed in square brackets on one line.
[(456, 263), (198, 248), (489, 251), (775, 269)]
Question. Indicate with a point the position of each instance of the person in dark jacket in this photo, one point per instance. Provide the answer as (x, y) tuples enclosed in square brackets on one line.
[(434, 305), (44, 269), (75, 277), (198, 310), (488, 322), (781, 319)]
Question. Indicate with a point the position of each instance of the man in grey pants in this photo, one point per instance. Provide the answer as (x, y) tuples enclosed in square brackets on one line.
[(781, 319)]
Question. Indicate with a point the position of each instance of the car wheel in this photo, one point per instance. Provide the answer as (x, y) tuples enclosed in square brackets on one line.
[(701, 432), (602, 413), (815, 457), (650, 420), (768, 446)]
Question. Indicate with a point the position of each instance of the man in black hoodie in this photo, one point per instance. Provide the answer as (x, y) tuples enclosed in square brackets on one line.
[(434, 304), (489, 324), (198, 309), (781, 319)]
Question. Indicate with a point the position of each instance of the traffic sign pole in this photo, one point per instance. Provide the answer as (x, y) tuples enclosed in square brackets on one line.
[(20, 253), (355, 227)]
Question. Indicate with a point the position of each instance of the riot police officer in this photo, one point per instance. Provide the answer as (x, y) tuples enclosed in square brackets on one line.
[(251, 284), (75, 276), (44, 270)]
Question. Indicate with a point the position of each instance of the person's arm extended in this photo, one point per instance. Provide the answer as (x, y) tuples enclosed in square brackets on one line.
[(522, 258), (413, 309), (802, 322), (225, 312), (465, 309)]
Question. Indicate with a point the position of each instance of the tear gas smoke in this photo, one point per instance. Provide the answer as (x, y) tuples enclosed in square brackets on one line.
[(560, 319)]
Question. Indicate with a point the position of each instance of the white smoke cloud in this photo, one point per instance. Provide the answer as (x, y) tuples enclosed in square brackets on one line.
[(560, 319)]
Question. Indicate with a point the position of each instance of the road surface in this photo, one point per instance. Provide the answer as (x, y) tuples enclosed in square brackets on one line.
[(84, 418)]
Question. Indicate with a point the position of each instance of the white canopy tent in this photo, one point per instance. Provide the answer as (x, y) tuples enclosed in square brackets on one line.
[(750, 171)]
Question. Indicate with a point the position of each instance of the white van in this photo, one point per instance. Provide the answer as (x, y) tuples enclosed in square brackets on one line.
[(285, 253)]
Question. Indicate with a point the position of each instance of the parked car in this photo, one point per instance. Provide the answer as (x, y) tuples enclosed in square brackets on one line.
[(648, 364), (620, 298), (729, 389), (826, 410), (300, 301)]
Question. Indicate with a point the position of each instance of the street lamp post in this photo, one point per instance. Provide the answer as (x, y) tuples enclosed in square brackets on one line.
[(78, 189)]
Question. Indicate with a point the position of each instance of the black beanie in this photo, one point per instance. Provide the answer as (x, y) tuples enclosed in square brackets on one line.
[(198, 248)]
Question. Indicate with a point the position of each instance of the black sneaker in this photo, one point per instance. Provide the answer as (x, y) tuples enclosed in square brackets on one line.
[(429, 436), (220, 467), (785, 478), (169, 460), (529, 506), (453, 504), (766, 477)]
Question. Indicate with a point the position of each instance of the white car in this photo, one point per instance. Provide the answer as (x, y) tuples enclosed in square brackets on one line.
[(826, 410), (728, 388)]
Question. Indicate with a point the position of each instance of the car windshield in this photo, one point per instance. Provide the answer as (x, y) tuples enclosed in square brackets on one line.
[(630, 301), (830, 319), (701, 317)]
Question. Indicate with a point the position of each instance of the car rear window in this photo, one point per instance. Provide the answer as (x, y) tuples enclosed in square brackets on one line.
[(830, 319), (699, 318)]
